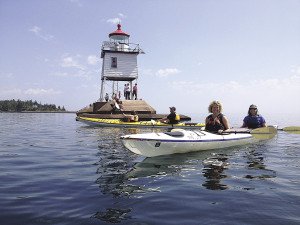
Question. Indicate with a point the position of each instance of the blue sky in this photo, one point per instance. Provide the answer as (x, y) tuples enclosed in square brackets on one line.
[(238, 52)]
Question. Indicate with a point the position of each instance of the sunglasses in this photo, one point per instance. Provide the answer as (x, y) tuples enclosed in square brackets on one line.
[(254, 108)]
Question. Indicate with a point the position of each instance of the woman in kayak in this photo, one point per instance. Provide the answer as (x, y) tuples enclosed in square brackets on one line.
[(216, 122), (253, 120)]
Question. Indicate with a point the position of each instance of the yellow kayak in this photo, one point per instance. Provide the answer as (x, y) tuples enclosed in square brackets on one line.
[(120, 123)]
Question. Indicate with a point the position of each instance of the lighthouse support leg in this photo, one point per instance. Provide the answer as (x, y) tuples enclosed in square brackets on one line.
[(102, 90)]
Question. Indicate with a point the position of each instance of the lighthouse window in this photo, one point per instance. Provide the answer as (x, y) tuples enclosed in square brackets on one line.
[(113, 62)]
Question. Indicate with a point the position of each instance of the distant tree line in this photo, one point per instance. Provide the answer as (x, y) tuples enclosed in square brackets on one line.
[(20, 106)]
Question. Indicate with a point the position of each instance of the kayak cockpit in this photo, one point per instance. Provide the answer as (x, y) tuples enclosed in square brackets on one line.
[(175, 134)]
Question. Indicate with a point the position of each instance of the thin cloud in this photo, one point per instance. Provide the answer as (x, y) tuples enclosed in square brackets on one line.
[(39, 33), (122, 15), (92, 59), (265, 92), (41, 91), (114, 20), (15, 93), (61, 74), (70, 62), (167, 72), (270, 85), (77, 66), (117, 20), (87, 75), (295, 69)]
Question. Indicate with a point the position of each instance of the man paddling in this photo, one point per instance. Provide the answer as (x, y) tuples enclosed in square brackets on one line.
[(172, 118)]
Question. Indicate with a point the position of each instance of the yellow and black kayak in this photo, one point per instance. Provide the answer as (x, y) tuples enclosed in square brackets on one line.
[(144, 124)]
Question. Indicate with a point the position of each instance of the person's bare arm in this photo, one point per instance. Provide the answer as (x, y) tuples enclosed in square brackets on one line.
[(226, 123)]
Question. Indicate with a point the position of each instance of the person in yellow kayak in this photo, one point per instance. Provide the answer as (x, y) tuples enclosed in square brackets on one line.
[(216, 122), (133, 117), (172, 118), (253, 120)]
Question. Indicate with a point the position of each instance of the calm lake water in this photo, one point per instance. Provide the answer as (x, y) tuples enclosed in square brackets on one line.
[(55, 170)]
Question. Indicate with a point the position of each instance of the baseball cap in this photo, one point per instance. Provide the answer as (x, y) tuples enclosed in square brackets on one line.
[(253, 107), (172, 107)]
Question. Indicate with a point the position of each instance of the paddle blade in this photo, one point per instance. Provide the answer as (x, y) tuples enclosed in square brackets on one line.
[(260, 136), (292, 129), (264, 133), (264, 130)]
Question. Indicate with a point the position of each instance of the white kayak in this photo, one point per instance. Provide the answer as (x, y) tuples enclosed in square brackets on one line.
[(183, 141)]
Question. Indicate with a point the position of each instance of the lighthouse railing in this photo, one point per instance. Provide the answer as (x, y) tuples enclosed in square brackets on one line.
[(120, 47)]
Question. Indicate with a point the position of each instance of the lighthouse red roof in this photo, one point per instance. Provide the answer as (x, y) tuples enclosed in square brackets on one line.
[(118, 32)]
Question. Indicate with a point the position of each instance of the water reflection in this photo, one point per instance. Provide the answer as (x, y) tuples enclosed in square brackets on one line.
[(128, 177), (113, 215), (256, 165), (114, 161), (159, 166), (214, 166), (213, 171), (120, 175), (116, 164)]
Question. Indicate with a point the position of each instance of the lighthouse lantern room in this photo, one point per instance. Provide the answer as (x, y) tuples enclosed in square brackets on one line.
[(119, 61)]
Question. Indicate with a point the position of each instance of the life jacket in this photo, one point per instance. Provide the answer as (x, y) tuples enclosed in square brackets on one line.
[(173, 118), (211, 126), (253, 122)]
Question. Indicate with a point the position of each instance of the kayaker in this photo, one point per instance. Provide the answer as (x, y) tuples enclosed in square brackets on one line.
[(216, 122), (172, 118), (133, 117), (253, 120)]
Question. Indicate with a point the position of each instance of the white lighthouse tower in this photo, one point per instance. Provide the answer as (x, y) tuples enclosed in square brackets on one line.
[(119, 61)]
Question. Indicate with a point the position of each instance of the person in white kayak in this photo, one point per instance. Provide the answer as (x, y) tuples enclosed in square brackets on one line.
[(216, 122)]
